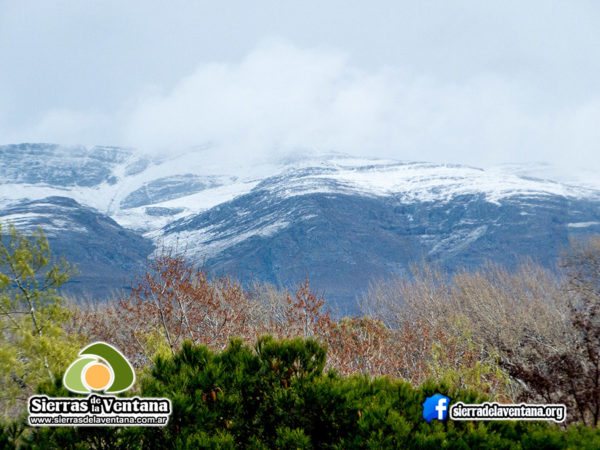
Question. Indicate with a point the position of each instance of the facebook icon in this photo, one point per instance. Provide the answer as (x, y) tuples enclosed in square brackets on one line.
[(436, 407)]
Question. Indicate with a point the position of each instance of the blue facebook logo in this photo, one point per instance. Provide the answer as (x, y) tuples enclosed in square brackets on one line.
[(436, 407)]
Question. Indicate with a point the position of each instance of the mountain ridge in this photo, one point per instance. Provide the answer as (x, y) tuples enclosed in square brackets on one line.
[(283, 221)]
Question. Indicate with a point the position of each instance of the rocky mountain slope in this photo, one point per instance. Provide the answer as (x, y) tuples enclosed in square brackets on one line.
[(338, 220)]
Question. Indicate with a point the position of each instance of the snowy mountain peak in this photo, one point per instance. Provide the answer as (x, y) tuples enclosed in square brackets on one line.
[(340, 220), (146, 193)]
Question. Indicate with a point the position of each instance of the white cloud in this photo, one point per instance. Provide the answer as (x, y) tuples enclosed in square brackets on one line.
[(464, 81), (70, 127), (281, 99), (284, 99)]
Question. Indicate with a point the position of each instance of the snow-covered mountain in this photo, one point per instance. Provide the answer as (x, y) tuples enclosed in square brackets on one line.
[(339, 220)]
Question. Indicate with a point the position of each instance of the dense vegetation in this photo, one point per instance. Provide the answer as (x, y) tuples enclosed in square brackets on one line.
[(276, 395), (317, 382)]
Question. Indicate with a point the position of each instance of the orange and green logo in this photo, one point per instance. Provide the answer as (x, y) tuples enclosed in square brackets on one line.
[(100, 371), (99, 368)]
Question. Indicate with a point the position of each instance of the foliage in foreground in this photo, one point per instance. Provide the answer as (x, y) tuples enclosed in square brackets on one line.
[(277, 395), (517, 335), (33, 345), (541, 329), (175, 301), (524, 335)]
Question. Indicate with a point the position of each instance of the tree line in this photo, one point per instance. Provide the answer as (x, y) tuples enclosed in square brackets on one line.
[(508, 335)]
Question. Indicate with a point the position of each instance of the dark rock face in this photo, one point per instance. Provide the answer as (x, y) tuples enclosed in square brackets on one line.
[(168, 188), (158, 211), (342, 242), (341, 224), (59, 166), (107, 256)]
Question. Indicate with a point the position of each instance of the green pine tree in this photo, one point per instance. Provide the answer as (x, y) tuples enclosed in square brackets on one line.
[(33, 346)]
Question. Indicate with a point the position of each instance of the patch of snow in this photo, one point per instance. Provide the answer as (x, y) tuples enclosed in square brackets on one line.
[(458, 240), (332, 174), (206, 243), (582, 224)]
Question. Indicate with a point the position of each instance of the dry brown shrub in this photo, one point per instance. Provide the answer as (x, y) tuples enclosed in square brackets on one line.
[(172, 302), (477, 317), (429, 325), (175, 301), (368, 346), (564, 366)]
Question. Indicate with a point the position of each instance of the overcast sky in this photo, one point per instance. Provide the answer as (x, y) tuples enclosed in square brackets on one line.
[(475, 82)]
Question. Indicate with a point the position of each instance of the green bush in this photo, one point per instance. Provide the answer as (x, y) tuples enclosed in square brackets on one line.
[(277, 396)]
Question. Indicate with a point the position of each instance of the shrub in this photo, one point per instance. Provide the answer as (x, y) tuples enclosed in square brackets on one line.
[(277, 395), (33, 345)]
